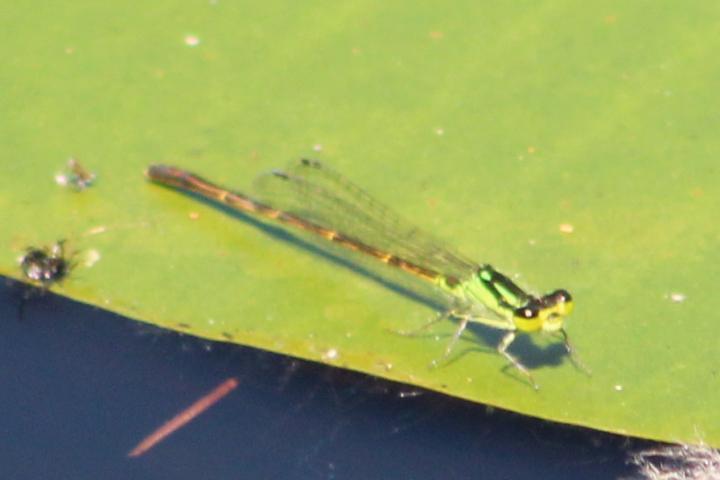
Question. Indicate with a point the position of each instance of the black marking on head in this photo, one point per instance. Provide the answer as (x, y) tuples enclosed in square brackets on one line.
[(557, 297), (529, 311)]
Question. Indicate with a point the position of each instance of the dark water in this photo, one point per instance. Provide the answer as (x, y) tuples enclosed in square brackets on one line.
[(80, 387)]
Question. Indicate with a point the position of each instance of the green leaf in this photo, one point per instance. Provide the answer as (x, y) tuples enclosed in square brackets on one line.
[(500, 127)]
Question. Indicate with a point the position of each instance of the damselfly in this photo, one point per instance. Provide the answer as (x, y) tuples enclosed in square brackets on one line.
[(312, 197)]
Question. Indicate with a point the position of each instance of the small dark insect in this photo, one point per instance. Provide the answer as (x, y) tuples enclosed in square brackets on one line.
[(77, 177), (47, 265)]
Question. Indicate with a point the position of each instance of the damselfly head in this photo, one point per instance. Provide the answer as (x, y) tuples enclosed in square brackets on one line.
[(556, 306), (546, 313), (559, 300)]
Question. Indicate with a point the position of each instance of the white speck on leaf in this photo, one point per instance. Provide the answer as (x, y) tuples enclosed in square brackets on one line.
[(330, 354), (192, 40), (677, 297)]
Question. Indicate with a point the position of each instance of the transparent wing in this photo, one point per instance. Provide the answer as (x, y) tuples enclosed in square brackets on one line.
[(313, 191)]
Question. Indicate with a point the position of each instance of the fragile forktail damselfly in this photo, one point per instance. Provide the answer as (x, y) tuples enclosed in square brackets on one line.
[(312, 197)]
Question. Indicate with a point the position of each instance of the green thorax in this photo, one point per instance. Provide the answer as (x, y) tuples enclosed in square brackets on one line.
[(491, 288)]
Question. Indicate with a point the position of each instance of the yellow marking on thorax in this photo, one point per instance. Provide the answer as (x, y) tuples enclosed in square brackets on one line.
[(385, 257)]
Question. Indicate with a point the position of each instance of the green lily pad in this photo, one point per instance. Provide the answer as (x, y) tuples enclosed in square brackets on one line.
[(571, 143)]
